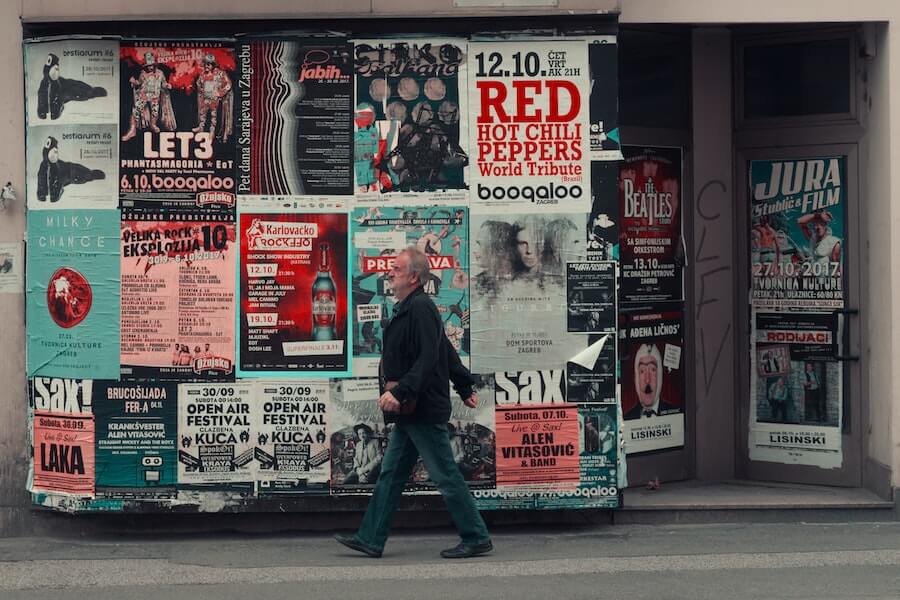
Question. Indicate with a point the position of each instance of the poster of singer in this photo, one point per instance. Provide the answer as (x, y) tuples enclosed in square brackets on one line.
[(797, 229), (379, 234), (294, 298), (177, 124), (410, 118)]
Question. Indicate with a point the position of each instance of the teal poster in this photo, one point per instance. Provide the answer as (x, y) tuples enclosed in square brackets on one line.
[(72, 309)]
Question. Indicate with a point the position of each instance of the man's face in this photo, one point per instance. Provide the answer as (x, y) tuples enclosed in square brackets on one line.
[(526, 245), (53, 155), (820, 228), (402, 281), (207, 347), (363, 434), (809, 367), (54, 72), (647, 380)]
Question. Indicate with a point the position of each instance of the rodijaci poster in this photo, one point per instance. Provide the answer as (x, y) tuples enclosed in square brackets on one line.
[(294, 105), (136, 438), (294, 297), (652, 379), (529, 135), (357, 436), (215, 433), (178, 306), (63, 436), (591, 297), (518, 289), (650, 249), (73, 293), (603, 57), (797, 232), (292, 453), (379, 234), (177, 124), (796, 390), (410, 120)]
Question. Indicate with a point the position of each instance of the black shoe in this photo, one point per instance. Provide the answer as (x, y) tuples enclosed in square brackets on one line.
[(463, 550), (354, 544)]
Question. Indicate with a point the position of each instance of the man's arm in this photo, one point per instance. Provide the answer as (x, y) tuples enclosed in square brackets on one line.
[(459, 374)]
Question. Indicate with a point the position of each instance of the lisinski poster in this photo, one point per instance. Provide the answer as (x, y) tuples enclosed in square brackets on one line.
[(519, 290), (797, 232), (530, 136), (796, 390), (294, 295), (73, 293), (178, 308), (177, 129), (294, 104), (652, 379), (410, 131), (651, 250), (379, 234)]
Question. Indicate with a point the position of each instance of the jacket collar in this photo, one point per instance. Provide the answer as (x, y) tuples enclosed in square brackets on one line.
[(403, 306)]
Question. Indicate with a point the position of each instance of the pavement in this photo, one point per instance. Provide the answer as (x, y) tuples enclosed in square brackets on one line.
[(745, 560)]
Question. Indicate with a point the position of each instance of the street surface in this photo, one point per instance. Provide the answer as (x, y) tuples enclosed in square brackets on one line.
[(721, 561)]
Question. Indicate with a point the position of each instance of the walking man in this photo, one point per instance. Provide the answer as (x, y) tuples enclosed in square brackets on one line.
[(417, 365)]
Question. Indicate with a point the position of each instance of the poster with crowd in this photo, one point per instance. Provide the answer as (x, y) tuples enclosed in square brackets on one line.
[(797, 226), (603, 58), (294, 297), (651, 344), (410, 127), (796, 389), (379, 234), (72, 295), (178, 308), (294, 100), (530, 135), (176, 122), (135, 426), (650, 251), (518, 289)]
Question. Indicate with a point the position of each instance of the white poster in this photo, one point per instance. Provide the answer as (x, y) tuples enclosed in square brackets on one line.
[(11, 268)]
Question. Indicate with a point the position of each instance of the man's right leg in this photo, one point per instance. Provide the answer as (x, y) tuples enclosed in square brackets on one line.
[(396, 467)]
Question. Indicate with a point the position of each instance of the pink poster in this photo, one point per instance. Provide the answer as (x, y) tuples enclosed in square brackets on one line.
[(64, 453)]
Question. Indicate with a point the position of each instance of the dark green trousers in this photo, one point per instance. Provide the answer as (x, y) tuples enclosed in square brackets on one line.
[(406, 444)]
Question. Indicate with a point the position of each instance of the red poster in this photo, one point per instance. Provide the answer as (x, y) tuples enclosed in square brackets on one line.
[(64, 453), (538, 445)]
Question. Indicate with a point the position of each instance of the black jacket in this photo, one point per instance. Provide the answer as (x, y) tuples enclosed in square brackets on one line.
[(419, 357), (53, 177)]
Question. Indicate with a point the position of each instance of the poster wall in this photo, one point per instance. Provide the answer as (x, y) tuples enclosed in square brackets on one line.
[(73, 294), (294, 103), (178, 308), (177, 124), (530, 132), (379, 234), (294, 298)]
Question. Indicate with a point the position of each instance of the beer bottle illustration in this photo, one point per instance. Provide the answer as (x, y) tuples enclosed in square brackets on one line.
[(324, 299)]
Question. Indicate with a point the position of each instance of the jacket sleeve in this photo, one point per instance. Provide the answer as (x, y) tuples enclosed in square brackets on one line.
[(459, 374), (426, 343)]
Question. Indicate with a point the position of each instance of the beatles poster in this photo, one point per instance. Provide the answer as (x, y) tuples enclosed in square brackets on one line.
[(591, 297), (796, 389), (603, 57), (603, 221), (797, 220), (652, 379), (73, 294), (177, 124), (410, 119), (136, 437), (63, 436), (379, 234), (215, 433), (651, 251), (358, 436), (519, 290), (294, 102), (294, 299), (591, 375), (290, 428), (530, 135), (72, 82)]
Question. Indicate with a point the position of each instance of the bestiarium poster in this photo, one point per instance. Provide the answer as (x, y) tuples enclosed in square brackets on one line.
[(294, 106), (650, 249), (73, 293), (379, 234), (294, 298), (177, 124), (530, 143), (178, 306), (411, 119), (797, 233)]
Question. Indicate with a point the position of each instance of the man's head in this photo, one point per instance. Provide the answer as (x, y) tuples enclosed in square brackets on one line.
[(821, 223), (51, 149), (206, 347), (209, 62), (809, 367), (52, 67), (528, 246), (647, 374), (409, 271), (363, 432)]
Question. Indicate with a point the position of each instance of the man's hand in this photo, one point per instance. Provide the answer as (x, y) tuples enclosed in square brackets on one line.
[(471, 401), (388, 403)]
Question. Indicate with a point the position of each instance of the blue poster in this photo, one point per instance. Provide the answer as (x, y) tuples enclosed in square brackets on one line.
[(73, 294)]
